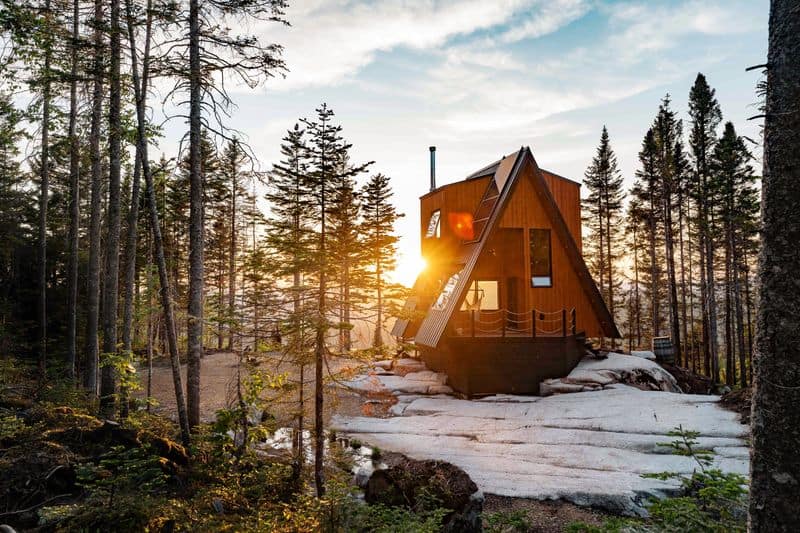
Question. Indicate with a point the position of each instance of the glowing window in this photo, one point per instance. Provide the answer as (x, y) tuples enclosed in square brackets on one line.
[(541, 258), (447, 292), (482, 295), (434, 225)]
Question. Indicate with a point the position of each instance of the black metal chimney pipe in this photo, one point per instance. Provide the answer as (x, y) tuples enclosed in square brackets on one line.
[(433, 167)]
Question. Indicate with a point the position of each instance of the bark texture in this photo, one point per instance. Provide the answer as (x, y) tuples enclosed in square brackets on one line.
[(775, 463)]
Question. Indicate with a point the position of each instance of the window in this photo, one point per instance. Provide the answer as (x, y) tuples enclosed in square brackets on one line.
[(434, 225), (541, 260), (447, 292), (482, 295)]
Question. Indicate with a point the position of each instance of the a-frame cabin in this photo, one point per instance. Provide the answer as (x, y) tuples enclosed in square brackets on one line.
[(506, 300)]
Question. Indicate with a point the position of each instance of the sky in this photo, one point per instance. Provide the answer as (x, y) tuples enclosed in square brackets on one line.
[(480, 78)]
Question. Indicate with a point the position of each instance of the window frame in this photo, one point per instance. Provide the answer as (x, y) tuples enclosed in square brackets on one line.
[(549, 258), (475, 285), (437, 230)]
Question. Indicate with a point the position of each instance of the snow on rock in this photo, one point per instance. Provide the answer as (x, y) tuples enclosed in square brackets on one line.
[(590, 448), (646, 354), (421, 381), (593, 374), (407, 365)]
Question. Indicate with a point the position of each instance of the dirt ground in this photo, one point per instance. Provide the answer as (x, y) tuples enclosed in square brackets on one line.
[(544, 516), (218, 380)]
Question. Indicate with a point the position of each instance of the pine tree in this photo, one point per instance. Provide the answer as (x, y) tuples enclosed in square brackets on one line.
[(327, 150), (604, 206), (347, 253), (705, 115), (380, 242), (646, 191), (290, 234), (736, 211), (667, 132)]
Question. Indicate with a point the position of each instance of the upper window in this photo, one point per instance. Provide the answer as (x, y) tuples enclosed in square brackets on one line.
[(482, 295), (434, 225), (541, 258)]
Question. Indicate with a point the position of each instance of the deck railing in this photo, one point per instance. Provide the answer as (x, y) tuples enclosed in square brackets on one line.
[(507, 323)]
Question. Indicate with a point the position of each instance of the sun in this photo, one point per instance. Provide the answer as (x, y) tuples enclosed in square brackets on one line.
[(408, 268)]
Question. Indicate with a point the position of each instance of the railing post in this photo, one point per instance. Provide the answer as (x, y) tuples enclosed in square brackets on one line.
[(533, 323), (564, 323), (503, 321), (472, 322), (574, 322)]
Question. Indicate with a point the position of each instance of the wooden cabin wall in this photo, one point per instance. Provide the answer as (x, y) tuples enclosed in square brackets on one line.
[(567, 195), (462, 196), (525, 210)]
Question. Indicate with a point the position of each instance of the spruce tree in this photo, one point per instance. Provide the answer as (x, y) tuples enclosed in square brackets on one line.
[(327, 150), (705, 116), (604, 207), (380, 242), (290, 235)]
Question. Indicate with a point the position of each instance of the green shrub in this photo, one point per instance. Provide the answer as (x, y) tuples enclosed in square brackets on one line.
[(507, 522)]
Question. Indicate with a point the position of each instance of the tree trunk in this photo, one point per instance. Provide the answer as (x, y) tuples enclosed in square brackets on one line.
[(44, 195), (737, 302), (685, 327), (730, 364), (669, 246), (378, 343), (74, 198), (133, 212), (158, 248), (93, 299), (232, 260), (774, 466), (108, 377), (711, 304), (194, 332)]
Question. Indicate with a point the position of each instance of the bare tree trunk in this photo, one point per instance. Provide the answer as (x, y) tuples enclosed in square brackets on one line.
[(711, 305), (149, 316), (378, 343), (737, 301), (74, 199), (158, 248), (685, 327), (730, 359), (133, 212), (44, 195), (93, 299), (774, 464), (196, 270), (232, 260), (609, 266), (748, 306), (669, 246), (693, 343), (108, 376)]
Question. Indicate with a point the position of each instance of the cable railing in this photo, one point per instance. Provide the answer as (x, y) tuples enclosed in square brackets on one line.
[(507, 323)]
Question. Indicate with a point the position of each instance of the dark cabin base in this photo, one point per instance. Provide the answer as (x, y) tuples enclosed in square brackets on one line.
[(482, 366)]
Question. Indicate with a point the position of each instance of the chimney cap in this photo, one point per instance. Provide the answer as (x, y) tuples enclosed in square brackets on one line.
[(432, 148)]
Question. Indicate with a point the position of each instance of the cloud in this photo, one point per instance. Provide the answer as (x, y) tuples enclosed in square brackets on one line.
[(549, 17), (330, 42)]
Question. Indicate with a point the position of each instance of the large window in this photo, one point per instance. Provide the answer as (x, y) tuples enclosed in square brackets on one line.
[(541, 258), (482, 295), (434, 225)]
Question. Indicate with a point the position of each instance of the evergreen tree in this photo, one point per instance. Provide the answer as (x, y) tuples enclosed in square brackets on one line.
[(327, 151), (604, 206), (736, 211), (705, 115), (380, 242), (670, 163)]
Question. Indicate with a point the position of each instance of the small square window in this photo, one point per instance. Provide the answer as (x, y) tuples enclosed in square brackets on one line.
[(434, 225)]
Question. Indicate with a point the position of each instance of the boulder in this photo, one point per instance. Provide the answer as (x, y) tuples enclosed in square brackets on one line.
[(645, 354), (385, 364), (401, 367), (412, 483)]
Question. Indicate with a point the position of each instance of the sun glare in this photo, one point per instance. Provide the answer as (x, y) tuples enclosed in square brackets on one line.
[(408, 268)]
